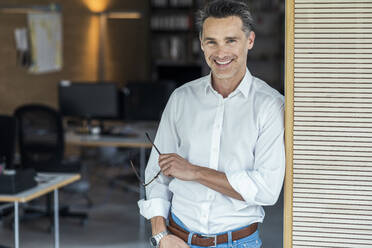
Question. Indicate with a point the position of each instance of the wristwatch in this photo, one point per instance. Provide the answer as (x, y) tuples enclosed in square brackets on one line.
[(155, 240)]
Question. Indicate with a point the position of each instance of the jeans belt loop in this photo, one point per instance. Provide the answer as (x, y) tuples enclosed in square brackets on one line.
[(189, 239), (229, 239), (211, 236)]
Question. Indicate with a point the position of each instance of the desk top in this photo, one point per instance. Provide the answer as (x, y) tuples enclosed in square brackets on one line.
[(138, 140), (53, 181)]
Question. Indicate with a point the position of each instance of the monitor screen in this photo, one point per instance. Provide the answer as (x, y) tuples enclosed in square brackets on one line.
[(145, 101), (89, 100), (179, 73)]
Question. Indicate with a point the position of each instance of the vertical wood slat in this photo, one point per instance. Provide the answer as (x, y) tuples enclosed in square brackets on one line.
[(289, 122), (328, 189)]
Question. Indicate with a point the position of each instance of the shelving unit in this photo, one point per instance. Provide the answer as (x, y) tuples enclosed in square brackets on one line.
[(175, 48), (266, 59)]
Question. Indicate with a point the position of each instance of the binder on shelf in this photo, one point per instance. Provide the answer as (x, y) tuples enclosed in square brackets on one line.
[(170, 22)]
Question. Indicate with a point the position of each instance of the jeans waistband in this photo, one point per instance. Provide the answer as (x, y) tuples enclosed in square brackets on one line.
[(210, 240)]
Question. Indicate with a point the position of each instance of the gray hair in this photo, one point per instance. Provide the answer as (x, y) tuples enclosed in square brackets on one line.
[(226, 8)]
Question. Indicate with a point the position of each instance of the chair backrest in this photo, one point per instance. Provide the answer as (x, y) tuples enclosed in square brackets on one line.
[(7, 139), (40, 136)]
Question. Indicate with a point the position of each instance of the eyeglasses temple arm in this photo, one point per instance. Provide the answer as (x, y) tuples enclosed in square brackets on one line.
[(135, 171), (152, 143)]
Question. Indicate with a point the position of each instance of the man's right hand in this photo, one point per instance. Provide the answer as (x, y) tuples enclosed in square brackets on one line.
[(172, 241)]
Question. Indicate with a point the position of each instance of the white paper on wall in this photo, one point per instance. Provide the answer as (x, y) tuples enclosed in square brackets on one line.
[(46, 42), (22, 47)]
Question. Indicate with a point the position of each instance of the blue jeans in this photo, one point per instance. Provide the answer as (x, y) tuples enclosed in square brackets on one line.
[(251, 241)]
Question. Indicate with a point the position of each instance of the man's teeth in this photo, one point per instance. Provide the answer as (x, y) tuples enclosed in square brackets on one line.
[(223, 62)]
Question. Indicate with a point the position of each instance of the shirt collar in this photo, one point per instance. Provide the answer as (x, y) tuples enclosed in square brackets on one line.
[(243, 86), (208, 83)]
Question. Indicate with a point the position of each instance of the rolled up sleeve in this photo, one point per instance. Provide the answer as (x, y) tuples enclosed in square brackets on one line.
[(154, 207), (262, 184)]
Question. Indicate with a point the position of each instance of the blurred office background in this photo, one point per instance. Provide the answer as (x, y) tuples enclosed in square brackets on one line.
[(119, 61)]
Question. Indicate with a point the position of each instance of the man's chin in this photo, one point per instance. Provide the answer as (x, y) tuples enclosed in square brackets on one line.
[(223, 75)]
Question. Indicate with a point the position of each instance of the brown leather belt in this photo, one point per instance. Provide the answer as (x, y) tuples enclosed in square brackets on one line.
[(209, 240)]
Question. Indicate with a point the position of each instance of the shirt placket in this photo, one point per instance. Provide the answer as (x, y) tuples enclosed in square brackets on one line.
[(216, 136), (213, 160)]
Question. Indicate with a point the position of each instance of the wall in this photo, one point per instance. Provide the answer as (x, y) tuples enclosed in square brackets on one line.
[(126, 53), (328, 124)]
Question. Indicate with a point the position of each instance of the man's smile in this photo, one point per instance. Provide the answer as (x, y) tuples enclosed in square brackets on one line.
[(222, 63)]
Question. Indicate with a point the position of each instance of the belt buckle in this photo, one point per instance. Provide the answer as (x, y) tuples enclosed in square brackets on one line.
[(211, 236)]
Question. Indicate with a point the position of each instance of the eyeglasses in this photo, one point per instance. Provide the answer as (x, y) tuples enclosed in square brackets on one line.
[(135, 171)]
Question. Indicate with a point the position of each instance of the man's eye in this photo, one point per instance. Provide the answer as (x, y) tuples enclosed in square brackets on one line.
[(211, 42), (231, 41)]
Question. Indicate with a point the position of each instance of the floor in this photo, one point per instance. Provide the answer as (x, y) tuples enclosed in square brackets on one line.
[(113, 221)]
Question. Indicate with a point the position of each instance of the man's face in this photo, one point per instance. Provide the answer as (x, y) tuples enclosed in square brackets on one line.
[(225, 46)]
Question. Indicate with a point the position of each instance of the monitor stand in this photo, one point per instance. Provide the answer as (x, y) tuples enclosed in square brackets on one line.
[(88, 128)]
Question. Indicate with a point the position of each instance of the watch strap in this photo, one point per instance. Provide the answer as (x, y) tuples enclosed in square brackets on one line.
[(159, 236)]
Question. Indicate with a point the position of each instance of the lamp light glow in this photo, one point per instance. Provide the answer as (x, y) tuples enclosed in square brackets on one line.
[(97, 6)]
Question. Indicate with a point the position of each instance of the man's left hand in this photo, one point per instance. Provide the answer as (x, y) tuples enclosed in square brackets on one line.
[(173, 165)]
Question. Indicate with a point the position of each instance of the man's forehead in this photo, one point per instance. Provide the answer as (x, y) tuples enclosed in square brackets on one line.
[(225, 38), (229, 20), (231, 26)]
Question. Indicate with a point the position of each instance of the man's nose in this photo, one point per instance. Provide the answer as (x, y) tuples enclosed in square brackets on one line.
[(221, 52)]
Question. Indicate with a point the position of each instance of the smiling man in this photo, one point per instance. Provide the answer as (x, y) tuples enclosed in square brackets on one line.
[(221, 138)]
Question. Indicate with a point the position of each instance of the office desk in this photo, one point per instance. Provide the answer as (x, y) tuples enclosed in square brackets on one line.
[(55, 182), (139, 141)]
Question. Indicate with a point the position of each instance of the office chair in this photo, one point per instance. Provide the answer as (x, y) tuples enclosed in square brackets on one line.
[(7, 148), (7, 139), (41, 146)]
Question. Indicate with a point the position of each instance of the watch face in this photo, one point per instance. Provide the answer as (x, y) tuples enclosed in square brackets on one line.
[(153, 242)]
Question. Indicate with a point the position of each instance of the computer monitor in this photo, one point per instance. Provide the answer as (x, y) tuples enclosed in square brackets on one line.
[(145, 101), (179, 73), (89, 100)]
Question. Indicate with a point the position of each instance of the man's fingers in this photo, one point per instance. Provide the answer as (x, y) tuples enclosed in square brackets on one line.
[(163, 162), (166, 170), (167, 156), (182, 244), (172, 241), (185, 245)]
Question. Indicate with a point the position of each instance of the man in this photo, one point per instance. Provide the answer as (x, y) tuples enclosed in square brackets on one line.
[(221, 143)]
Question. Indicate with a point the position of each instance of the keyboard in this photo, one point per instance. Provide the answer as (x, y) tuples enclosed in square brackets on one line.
[(119, 135)]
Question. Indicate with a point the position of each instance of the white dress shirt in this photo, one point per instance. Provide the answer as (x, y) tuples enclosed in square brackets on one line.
[(240, 135)]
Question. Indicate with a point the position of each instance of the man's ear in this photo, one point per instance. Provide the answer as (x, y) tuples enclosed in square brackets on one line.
[(201, 43), (251, 38)]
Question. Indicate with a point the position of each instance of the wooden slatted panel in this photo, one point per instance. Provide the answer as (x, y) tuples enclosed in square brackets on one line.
[(332, 131)]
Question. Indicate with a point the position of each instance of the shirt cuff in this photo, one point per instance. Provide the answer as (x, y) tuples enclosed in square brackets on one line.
[(154, 207), (243, 184)]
